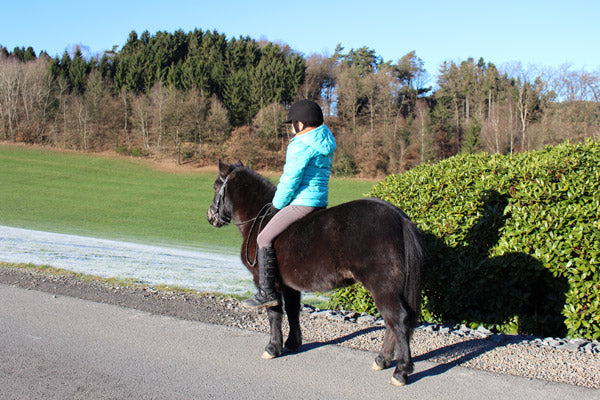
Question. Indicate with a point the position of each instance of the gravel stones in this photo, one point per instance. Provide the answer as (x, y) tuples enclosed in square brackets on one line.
[(582, 345)]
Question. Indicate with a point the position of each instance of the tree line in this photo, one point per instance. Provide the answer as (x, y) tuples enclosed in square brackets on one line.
[(199, 96)]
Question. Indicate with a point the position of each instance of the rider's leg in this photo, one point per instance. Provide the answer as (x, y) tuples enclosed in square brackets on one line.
[(267, 295)]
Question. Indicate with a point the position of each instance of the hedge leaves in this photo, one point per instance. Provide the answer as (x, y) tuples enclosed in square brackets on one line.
[(513, 242)]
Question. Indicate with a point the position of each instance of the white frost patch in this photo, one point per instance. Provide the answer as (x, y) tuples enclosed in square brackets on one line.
[(187, 268)]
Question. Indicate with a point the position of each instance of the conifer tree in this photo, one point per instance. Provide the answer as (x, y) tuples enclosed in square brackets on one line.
[(78, 71)]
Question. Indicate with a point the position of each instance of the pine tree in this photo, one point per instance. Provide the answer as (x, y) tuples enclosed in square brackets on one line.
[(235, 96), (78, 70), (472, 137)]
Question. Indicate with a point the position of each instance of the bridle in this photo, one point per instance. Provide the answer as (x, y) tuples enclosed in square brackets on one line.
[(218, 200), (224, 219)]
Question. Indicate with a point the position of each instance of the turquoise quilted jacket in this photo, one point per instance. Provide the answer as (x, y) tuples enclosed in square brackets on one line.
[(305, 178)]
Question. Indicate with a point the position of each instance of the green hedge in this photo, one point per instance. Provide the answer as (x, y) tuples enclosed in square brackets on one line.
[(512, 242)]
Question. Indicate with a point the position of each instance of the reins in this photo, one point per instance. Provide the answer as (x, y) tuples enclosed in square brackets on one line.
[(255, 218), (262, 214)]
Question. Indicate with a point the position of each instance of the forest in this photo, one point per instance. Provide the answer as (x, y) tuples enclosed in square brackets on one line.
[(196, 97)]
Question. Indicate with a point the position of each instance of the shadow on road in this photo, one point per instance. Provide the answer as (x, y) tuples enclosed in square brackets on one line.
[(446, 357), (315, 345), (453, 355)]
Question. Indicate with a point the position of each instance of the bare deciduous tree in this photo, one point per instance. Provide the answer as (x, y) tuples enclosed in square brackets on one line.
[(10, 83), (158, 98), (141, 110), (267, 124)]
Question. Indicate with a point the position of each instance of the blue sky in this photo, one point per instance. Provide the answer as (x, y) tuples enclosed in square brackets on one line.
[(546, 33)]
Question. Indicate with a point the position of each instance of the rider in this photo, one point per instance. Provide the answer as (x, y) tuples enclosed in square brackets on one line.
[(302, 188)]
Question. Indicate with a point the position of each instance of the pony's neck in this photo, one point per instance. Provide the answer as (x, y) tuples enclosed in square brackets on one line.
[(252, 193)]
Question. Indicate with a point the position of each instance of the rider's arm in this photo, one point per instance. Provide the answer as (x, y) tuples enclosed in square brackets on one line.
[(296, 160)]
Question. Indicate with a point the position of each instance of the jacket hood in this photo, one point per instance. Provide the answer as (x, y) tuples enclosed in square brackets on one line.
[(320, 139)]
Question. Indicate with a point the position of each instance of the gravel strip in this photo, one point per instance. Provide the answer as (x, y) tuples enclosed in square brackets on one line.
[(575, 362)]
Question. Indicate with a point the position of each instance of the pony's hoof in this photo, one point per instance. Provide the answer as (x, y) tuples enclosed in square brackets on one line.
[(397, 382), (376, 366), (380, 363), (267, 356)]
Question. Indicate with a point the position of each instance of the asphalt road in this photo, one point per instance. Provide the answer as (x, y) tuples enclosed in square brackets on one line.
[(56, 347)]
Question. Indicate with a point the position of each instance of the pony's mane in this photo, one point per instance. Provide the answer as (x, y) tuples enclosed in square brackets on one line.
[(253, 175)]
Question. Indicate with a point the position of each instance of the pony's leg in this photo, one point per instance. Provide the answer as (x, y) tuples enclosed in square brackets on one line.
[(397, 336), (385, 356), (403, 330), (275, 346), (292, 309)]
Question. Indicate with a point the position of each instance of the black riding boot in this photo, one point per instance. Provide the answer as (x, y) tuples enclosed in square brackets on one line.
[(267, 296)]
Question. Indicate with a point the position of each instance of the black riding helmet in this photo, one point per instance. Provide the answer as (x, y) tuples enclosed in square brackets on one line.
[(306, 111)]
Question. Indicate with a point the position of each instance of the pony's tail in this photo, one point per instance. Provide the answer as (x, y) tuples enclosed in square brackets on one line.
[(413, 261)]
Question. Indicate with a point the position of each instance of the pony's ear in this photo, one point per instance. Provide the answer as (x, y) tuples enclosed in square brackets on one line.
[(239, 164), (224, 168)]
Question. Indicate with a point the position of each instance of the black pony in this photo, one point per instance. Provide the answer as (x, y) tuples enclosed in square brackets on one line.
[(368, 241)]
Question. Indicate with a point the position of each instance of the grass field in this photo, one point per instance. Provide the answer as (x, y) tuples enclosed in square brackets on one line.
[(119, 198)]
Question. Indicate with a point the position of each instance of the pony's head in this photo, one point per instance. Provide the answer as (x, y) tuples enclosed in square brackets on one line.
[(219, 213), (240, 193)]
